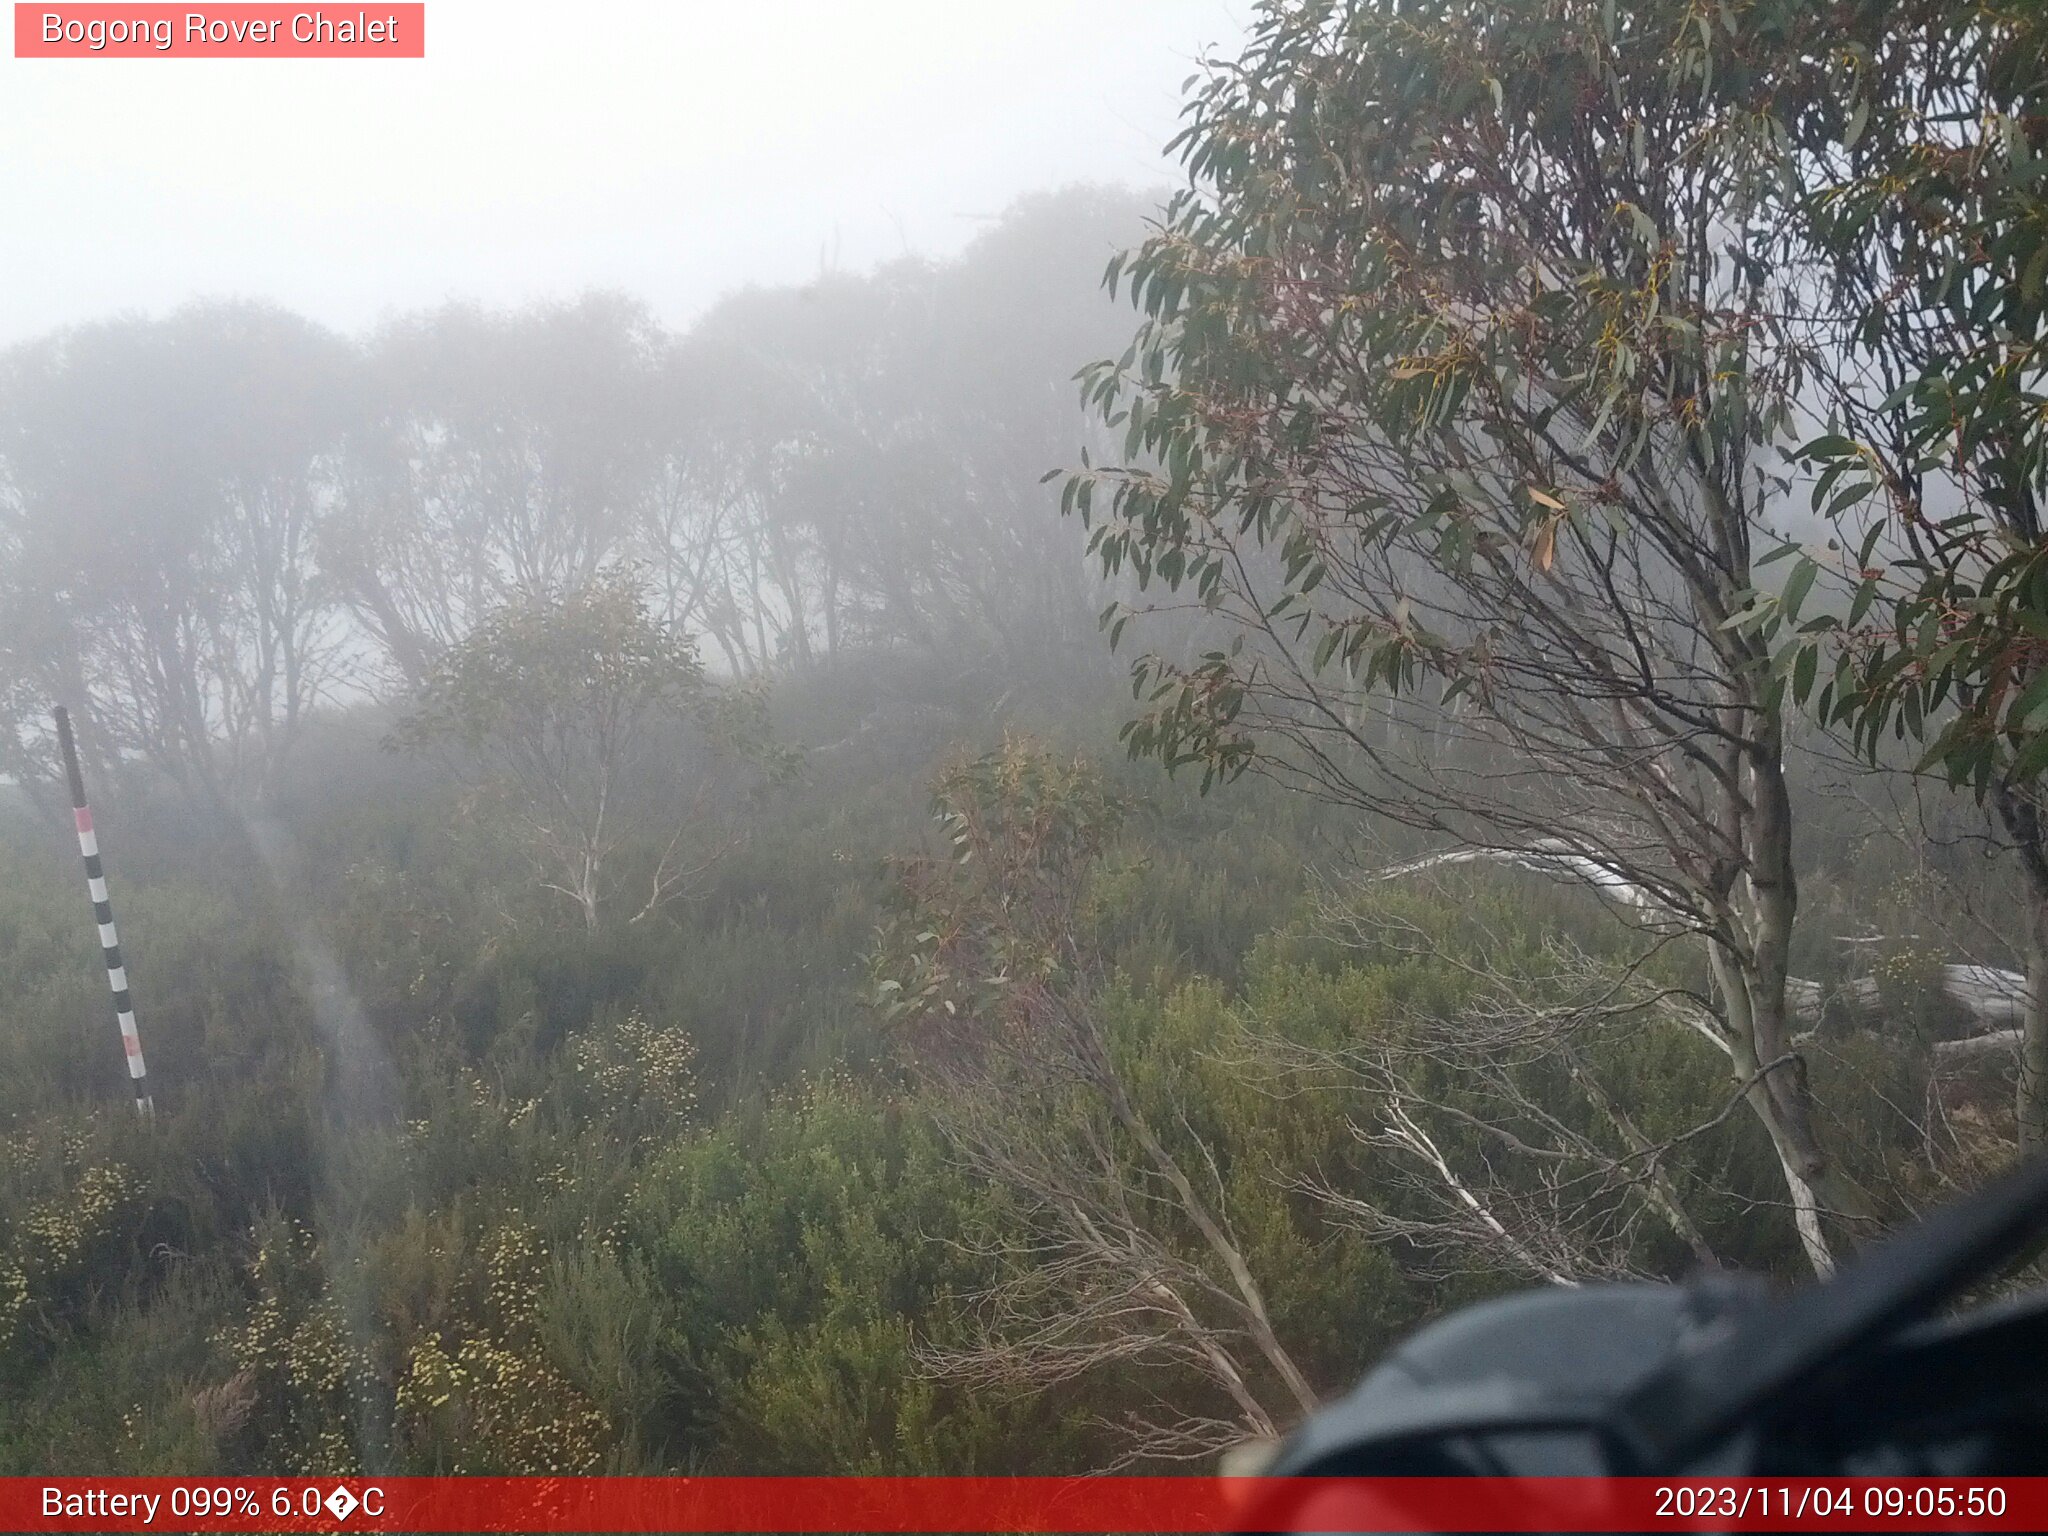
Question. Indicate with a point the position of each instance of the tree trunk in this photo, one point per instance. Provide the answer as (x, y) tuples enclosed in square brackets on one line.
[(1753, 983), (1791, 1137), (2032, 1096), (2020, 815)]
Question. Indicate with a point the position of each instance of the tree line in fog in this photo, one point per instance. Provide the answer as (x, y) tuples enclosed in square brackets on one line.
[(213, 523)]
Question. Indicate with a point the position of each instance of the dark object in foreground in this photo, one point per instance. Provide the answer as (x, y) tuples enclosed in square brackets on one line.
[(1857, 1377)]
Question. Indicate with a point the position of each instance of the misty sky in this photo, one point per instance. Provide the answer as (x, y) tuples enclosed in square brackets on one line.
[(672, 148)]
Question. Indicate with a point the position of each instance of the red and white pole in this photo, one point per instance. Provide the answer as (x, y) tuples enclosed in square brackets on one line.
[(103, 914)]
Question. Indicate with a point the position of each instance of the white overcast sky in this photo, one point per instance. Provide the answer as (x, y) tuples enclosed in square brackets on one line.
[(677, 149)]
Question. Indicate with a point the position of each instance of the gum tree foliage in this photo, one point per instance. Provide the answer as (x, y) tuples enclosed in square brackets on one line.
[(1454, 409), (870, 476), (1927, 199), (596, 730), (162, 484), (215, 525), (507, 453), (1916, 177), (802, 473)]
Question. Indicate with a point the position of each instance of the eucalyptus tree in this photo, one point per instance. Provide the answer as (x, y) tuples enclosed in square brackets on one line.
[(1456, 410), (869, 449), (510, 453), (783, 446), (163, 487), (1014, 579), (591, 730), (1916, 167)]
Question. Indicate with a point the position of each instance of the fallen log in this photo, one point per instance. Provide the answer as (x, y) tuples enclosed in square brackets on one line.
[(1990, 998), (1952, 1054)]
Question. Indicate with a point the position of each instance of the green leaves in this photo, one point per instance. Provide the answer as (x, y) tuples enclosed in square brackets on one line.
[(1937, 233), (579, 713), (1797, 585), (1431, 305), (583, 652)]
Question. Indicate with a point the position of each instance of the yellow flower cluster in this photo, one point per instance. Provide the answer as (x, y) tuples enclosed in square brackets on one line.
[(300, 1356), (494, 1402), (1908, 977), (17, 1151), (1908, 966), (486, 1096), (61, 1230), (57, 1235), (499, 1409), (13, 1298), (639, 1063), (512, 1276)]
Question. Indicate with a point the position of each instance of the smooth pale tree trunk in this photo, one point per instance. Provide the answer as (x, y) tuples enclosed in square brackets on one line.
[(1758, 1016), (1782, 1113)]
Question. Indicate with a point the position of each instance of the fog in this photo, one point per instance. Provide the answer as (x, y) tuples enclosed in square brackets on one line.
[(677, 151), (791, 759)]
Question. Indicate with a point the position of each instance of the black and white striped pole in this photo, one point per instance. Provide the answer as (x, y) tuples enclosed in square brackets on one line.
[(103, 913)]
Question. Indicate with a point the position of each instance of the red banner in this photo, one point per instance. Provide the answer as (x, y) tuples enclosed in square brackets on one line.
[(240, 31), (1025, 1504)]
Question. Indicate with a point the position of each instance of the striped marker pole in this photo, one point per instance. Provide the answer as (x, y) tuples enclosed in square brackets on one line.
[(103, 913)]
